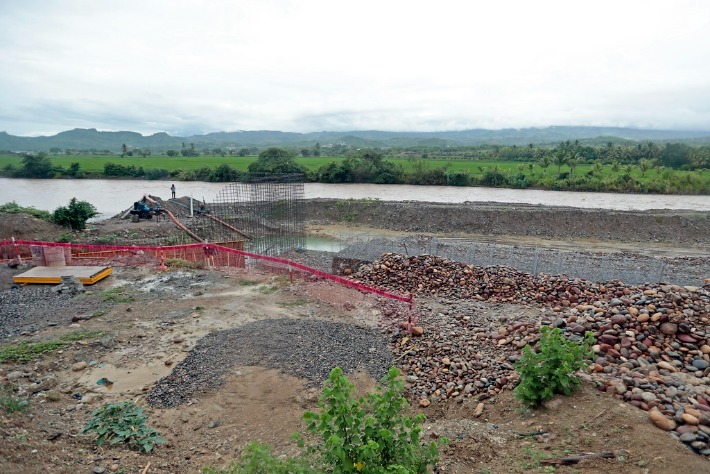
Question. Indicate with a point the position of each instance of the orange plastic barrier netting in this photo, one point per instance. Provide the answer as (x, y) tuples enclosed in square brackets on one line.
[(212, 254)]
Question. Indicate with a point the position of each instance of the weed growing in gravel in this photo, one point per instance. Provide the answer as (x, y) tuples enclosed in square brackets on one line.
[(244, 282), (180, 263), (267, 290), (27, 351), (116, 295), (9, 401), (257, 459), (551, 370), (122, 422), (65, 237), (288, 304)]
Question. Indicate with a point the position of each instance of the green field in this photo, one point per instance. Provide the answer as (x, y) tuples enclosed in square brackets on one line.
[(95, 164), (679, 181)]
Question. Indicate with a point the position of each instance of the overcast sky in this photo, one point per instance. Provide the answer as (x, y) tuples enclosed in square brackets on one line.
[(187, 67)]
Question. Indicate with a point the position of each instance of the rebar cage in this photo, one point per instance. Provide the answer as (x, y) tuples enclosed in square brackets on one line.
[(267, 210)]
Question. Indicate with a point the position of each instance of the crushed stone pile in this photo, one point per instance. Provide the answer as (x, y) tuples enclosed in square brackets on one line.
[(308, 349)]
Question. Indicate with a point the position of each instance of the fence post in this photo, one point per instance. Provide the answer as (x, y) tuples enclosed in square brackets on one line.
[(162, 266)]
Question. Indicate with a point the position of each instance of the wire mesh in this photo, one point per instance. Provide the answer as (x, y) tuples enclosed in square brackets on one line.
[(602, 267), (265, 209)]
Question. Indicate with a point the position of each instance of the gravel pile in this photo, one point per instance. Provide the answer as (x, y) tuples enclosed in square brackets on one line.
[(308, 349)]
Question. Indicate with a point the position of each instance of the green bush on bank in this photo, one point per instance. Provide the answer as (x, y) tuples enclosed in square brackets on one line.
[(552, 369)]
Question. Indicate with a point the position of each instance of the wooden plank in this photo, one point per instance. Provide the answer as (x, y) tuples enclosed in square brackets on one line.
[(53, 275)]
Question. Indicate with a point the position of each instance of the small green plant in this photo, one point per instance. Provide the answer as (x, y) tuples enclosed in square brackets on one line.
[(9, 401), (267, 289), (116, 295), (122, 422), (535, 456), (65, 237), (288, 304), (369, 434), (244, 282), (257, 459), (180, 263), (551, 370), (109, 239), (27, 351)]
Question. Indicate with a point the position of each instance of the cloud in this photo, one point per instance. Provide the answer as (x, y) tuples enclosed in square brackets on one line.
[(201, 66)]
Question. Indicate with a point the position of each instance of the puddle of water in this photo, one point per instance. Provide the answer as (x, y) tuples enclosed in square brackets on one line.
[(127, 379), (323, 244)]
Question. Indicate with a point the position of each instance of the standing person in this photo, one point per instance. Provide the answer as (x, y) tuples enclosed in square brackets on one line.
[(172, 189)]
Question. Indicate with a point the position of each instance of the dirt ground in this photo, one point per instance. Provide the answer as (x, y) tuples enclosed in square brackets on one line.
[(155, 323), (145, 336)]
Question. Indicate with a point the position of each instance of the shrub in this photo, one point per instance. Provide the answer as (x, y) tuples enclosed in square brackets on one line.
[(493, 178), (9, 402), (158, 173), (551, 370), (75, 215), (122, 422), (370, 434)]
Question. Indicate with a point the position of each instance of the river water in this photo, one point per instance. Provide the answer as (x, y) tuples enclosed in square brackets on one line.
[(113, 196)]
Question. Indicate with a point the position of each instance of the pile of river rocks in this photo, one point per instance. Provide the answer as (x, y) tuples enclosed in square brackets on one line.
[(652, 342)]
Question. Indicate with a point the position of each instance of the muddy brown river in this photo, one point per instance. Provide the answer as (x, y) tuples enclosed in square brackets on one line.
[(113, 196)]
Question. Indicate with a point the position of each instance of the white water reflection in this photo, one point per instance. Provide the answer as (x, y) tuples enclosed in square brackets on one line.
[(113, 196)]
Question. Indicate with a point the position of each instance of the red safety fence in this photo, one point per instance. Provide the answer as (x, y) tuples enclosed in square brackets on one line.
[(212, 255)]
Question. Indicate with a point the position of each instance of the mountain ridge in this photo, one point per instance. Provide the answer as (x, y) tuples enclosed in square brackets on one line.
[(91, 138)]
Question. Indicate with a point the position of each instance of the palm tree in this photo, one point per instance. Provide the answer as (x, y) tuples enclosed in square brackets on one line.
[(573, 161), (644, 166), (545, 162), (597, 167), (560, 159)]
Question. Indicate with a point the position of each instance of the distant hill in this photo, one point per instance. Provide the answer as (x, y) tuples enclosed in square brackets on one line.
[(87, 139)]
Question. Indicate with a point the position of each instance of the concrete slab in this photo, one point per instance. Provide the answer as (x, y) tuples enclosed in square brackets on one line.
[(53, 275)]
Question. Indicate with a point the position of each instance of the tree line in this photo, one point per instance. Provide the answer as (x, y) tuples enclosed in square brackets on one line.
[(606, 168)]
